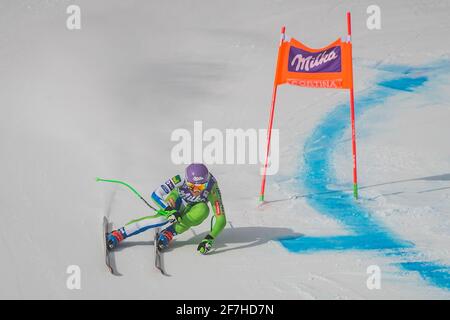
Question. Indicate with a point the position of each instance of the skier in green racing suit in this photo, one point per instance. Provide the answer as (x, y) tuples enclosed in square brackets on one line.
[(187, 200)]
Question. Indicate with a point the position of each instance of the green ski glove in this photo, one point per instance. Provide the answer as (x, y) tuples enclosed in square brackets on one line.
[(205, 246), (170, 214)]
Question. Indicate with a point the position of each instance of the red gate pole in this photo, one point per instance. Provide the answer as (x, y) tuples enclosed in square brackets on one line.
[(352, 110), (272, 112)]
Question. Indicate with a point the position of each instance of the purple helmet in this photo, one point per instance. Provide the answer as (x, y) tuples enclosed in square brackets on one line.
[(197, 173)]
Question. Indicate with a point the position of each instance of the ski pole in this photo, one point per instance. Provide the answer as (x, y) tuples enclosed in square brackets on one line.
[(159, 212), (132, 189)]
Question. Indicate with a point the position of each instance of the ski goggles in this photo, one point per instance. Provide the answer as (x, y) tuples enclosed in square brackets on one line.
[(197, 187)]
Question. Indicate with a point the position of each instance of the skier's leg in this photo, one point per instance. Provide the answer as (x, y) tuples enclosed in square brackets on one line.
[(137, 226), (132, 228), (193, 216)]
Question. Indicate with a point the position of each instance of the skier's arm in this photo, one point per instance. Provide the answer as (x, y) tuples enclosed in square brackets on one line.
[(162, 195), (215, 199)]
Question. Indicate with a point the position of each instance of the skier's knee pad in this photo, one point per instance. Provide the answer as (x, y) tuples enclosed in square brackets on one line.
[(196, 215)]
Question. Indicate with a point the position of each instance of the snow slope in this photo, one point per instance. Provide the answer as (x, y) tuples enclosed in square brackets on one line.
[(103, 101)]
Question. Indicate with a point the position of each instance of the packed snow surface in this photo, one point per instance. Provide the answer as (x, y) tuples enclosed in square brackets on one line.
[(104, 100)]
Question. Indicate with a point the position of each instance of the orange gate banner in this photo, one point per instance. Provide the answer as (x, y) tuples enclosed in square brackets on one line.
[(328, 67)]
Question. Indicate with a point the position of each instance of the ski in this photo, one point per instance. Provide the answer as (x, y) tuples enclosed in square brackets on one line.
[(109, 259), (159, 264)]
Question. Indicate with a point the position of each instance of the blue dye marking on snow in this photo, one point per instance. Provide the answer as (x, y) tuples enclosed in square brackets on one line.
[(366, 232), (405, 83), (436, 274)]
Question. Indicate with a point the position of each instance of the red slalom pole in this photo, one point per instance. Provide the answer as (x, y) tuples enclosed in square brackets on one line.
[(272, 112), (352, 111)]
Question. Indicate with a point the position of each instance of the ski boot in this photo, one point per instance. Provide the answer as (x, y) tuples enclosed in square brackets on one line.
[(165, 237), (114, 238)]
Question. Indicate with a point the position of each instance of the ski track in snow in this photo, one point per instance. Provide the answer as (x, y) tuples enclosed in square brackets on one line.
[(367, 233), (13, 260)]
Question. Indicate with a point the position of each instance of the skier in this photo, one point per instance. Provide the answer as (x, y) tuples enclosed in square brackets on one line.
[(187, 200)]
